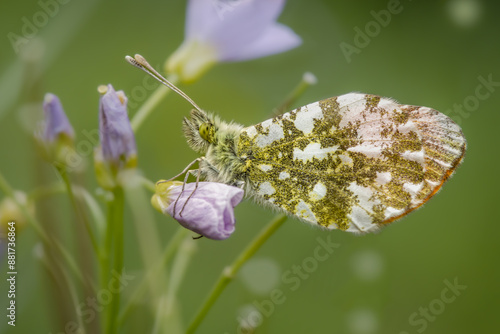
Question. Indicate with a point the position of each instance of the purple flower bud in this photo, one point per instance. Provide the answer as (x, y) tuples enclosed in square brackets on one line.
[(208, 212), (117, 138), (56, 123), (224, 31)]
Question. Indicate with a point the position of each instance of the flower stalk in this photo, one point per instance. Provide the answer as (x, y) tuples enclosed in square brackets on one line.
[(70, 261), (308, 79), (230, 272), (170, 250), (115, 161), (165, 313), (151, 103), (115, 232), (79, 212)]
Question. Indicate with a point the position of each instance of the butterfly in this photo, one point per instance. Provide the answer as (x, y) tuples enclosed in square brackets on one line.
[(354, 162)]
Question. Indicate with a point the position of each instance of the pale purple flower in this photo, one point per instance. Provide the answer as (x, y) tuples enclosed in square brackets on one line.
[(117, 138), (225, 31), (209, 211), (56, 123)]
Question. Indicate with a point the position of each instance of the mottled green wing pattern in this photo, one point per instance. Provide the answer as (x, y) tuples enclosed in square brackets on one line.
[(353, 162)]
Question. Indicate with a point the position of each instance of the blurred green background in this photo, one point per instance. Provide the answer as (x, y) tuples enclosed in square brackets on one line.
[(431, 53)]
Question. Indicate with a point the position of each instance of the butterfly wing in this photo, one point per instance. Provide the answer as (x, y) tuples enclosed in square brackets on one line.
[(354, 162)]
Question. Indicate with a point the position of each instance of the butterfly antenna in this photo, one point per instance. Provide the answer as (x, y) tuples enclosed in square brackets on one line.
[(141, 62)]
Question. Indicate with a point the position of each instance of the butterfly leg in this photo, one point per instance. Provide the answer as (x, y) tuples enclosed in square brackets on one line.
[(198, 171), (186, 170), (205, 166)]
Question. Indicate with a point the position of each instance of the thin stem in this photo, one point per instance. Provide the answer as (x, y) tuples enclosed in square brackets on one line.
[(151, 103), (105, 261), (57, 276), (138, 200), (229, 272), (92, 205), (178, 271), (308, 79), (72, 264), (115, 234), (94, 209), (103, 275), (148, 184), (74, 298), (80, 213), (46, 191), (168, 253), (9, 192)]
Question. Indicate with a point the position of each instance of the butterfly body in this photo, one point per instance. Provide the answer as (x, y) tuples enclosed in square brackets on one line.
[(354, 162)]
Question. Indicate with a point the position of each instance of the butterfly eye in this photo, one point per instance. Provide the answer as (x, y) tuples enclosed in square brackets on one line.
[(207, 132)]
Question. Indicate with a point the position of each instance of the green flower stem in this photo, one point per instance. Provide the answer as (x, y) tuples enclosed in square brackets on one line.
[(74, 298), (113, 237), (72, 264), (105, 261), (59, 188), (105, 266), (104, 278), (80, 213), (308, 79), (168, 253), (148, 184), (71, 287), (83, 232), (178, 271), (152, 101), (9, 192), (94, 209), (138, 200), (229, 272), (46, 191)]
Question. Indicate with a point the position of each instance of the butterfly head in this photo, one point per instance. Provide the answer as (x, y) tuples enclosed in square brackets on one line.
[(199, 130), (207, 132)]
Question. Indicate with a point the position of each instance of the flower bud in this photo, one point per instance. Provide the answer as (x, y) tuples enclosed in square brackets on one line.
[(57, 135), (117, 150), (207, 209)]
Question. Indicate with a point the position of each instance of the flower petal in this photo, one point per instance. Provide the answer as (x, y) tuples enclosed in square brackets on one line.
[(56, 121), (200, 15), (277, 38), (216, 18), (210, 209), (117, 137), (207, 220), (224, 30), (232, 26)]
